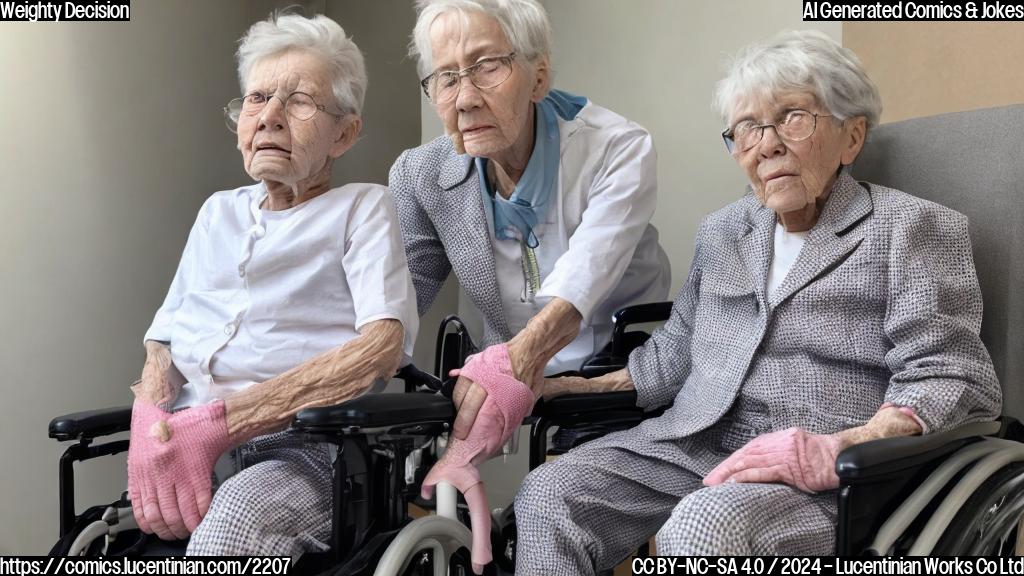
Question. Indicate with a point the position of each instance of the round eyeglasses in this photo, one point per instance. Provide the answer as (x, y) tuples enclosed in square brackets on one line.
[(298, 105), (443, 86), (795, 126)]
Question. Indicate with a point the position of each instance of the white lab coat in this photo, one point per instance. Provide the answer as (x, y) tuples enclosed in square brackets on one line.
[(597, 248)]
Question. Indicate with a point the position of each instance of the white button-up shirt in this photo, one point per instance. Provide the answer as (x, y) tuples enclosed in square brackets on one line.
[(259, 292)]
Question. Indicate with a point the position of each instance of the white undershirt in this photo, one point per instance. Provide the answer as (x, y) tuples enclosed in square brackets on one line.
[(787, 248)]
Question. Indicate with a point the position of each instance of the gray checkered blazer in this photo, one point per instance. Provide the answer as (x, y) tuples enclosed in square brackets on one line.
[(882, 304), (431, 184)]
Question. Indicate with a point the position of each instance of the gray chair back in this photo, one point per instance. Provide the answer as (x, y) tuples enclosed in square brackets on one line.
[(972, 162)]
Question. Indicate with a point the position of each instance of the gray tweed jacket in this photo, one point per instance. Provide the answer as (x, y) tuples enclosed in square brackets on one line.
[(450, 196), (882, 304)]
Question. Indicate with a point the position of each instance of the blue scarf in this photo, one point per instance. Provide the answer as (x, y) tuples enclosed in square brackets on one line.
[(528, 203)]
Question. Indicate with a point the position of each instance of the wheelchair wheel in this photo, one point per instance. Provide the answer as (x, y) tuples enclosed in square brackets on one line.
[(423, 564), (431, 545), (989, 522)]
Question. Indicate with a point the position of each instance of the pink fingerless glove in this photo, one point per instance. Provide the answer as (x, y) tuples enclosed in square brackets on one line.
[(508, 402), (170, 460), (792, 456)]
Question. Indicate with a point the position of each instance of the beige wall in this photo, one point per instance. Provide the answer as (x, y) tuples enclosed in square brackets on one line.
[(113, 138), (926, 68)]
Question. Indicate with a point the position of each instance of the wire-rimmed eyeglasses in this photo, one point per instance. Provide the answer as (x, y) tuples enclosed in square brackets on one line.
[(443, 86), (795, 126), (298, 105)]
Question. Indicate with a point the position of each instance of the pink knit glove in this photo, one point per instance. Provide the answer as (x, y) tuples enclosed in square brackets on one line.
[(170, 460), (792, 456), (508, 402)]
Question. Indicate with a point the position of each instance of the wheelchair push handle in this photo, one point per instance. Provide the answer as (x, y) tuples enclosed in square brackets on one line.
[(452, 348), (415, 378), (636, 314)]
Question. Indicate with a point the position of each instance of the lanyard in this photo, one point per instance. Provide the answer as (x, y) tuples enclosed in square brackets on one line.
[(531, 273)]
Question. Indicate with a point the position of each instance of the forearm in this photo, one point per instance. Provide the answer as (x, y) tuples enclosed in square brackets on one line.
[(888, 422), (160, 382), (555, 326), (612, 382), (329, 378)]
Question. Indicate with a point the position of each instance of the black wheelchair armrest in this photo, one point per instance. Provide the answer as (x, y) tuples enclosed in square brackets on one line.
[(587, 403), (91, 423), (891, 455), (641, 313), (876, 477), (376, 411)]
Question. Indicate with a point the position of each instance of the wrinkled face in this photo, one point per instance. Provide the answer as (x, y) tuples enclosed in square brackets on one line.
[(276, 146), (789, 176), (483, 122)]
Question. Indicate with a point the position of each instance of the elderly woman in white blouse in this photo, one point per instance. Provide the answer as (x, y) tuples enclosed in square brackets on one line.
[(289, 294)]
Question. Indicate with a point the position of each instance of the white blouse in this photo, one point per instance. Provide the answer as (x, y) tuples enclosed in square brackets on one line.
[(258, 292), (786, 249)]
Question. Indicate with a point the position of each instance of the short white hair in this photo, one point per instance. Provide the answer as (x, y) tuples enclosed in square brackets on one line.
[(524, 22), (805, 60), (318, 35)]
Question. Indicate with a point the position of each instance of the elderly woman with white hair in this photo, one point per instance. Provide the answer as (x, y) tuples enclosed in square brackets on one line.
[(290, 293), (539, 200), (819, 312)]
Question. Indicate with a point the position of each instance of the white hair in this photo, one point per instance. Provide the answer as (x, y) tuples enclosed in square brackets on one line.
[(805, 61), (524, 22), (318, 35)]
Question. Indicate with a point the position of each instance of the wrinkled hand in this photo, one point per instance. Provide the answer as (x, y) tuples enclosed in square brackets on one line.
[(506, 402), (555, 387), (170, 460), (468, 398), (618, 381), (160, 382), (469, 395), (792, 456)]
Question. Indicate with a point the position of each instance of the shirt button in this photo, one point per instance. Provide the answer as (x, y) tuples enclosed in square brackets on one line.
[(229, 329)]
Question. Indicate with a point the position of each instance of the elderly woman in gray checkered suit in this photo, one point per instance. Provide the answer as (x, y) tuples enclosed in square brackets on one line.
[(819, 312)]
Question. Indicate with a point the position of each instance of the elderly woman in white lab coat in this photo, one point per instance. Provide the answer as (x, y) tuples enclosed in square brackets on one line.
[(538, 199)]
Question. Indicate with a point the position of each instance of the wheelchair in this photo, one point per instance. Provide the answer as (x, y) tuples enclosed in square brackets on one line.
[(959, 492), (385, 444)]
